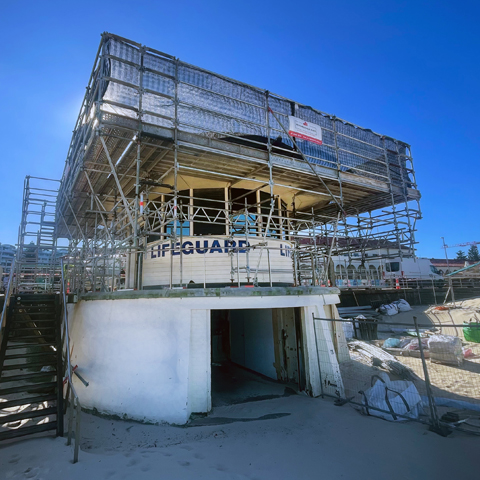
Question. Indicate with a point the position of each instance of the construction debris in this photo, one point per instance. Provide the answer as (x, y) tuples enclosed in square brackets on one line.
[(446, 349), (381, 358), (394, 307)]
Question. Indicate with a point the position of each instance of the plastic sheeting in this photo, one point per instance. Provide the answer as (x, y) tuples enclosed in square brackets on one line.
[(211, 105)]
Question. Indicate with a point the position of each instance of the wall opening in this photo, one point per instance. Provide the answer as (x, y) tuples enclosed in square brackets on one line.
[(256, 353)]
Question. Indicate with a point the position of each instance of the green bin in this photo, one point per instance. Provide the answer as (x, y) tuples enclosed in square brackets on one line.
[(471, 331)]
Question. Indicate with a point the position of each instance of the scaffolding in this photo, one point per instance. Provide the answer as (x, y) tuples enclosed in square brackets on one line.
[(164, 150), (37, 267)]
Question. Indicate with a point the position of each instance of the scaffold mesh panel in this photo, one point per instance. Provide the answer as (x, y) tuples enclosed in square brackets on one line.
[(136, 86)]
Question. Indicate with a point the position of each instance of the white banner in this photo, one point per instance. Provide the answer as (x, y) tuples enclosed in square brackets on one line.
[(305, 130)]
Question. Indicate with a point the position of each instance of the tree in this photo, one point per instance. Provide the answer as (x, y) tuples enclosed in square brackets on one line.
[(461, 255), (473, 255)]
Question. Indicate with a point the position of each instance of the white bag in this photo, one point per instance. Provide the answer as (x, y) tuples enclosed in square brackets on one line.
[(389, 309), (348, 330), (445, 349), (394, 398), (402, 305)]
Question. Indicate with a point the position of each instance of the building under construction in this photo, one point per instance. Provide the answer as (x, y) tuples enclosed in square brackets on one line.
[(181, 189), (164, 152)]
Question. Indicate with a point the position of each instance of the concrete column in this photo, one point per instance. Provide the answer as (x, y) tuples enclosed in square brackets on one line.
[(199, 371)]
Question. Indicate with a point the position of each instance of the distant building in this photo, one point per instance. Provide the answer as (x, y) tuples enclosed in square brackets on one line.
[(452, 266), (470, 272), (7, 252)]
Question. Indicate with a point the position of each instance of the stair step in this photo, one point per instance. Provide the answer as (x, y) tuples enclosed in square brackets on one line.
[(20, 309), (27, 376), (33, 314), (28, 400), (35, 301), (37, 325), (26, 306), (20, 432), (45, 312), (30, 329), (14, 417), (34, 307), (32, 354), (26, 296), (28, 388), (23, 366), (25, 345), (49, 336)]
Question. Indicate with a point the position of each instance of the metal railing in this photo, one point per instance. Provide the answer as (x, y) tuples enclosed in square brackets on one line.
[(6, 300), (250, 261), (73, 402)]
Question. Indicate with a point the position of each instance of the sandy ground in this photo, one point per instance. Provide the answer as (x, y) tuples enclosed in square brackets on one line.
[(462, 311), (310, 438), (453, 382)]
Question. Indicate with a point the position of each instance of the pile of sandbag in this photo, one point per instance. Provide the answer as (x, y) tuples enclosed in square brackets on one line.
[(394, 307), (388, 309), (445, 349)]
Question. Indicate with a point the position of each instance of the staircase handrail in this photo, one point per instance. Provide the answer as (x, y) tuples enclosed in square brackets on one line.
[(75, 402), (6, 301)]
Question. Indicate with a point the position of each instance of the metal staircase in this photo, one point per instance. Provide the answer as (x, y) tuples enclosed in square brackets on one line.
[(38, 268), (34, 335), (31, 367)]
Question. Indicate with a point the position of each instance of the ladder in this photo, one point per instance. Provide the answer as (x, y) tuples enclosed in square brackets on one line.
[(37, 266)]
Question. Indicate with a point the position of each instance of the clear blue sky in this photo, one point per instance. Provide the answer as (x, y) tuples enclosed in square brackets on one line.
[(409, 69)]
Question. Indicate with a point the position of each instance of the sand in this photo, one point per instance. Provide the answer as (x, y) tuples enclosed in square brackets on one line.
[(461, 383), (292, 437), (313, 439), (458, 313)]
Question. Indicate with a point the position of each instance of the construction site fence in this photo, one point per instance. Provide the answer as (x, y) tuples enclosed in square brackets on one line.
[(404, 371)]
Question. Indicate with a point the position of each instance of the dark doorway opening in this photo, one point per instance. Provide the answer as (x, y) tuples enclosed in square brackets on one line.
[(256, 354)]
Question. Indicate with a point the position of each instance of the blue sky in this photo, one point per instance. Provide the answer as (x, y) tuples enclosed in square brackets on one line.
[(408, 69)]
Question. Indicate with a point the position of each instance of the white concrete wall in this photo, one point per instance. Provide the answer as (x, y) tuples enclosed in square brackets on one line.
[(252, 342), (149, 358), (208, 259), (135, 356)]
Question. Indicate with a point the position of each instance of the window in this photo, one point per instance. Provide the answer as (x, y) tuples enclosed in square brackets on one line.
[(242, 224), (434, 269), (340, 271), (209, 211), (183, 229), (393, 267), (362, 272), (351, 272)]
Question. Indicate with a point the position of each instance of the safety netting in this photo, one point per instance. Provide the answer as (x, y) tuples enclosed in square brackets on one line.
[(140, 86)]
